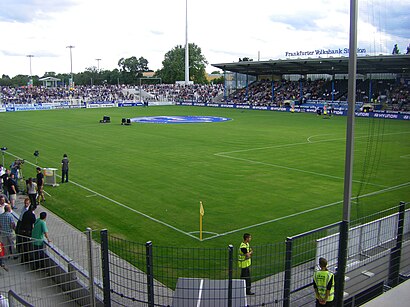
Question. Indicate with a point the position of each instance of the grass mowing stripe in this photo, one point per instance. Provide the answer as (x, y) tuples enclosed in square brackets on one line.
[(116, 202), (165, 170), (228, 232), (302, 143), (297, 170), (388, 189)]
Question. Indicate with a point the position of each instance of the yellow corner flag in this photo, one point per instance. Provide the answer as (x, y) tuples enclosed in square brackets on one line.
[(201, 214), (201, 209)]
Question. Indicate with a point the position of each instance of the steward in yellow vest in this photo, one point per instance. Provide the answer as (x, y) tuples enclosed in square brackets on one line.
[(324, 284), (244, 261)]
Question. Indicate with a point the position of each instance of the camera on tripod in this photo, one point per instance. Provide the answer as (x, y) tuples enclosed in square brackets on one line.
[(18, 163)]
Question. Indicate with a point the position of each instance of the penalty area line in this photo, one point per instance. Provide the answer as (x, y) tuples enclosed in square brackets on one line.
[(296, 170), (118, 203)]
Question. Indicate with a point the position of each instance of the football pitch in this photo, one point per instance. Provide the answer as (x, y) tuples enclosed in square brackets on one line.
[(268, 173)]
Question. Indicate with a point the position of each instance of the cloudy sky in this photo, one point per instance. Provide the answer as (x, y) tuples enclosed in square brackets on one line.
[(225, 30)]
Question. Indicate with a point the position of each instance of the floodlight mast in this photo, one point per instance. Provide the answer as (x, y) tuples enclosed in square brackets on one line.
[(31, 74), (186, 45), (71, 65), (98, 64)]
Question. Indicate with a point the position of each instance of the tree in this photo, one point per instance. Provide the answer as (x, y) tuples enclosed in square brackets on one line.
[(220, 80), (20, 80), (5, 80), (173, 65), (132, 69)]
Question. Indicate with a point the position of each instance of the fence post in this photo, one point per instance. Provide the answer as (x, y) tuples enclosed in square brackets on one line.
[(150, 274), (341, 262), (395, 256), (288, 273), (105, 264), (90, 266), (230, 274)]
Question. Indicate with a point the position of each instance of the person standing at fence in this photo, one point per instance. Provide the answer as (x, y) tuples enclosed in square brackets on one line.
[(244, 261), (40, 185), (4, 178), (3, 203), (64, 168), (7, 227), (39, 233), (25, 230), (32, 191), (13, 190), (17, 230), (324, 284)]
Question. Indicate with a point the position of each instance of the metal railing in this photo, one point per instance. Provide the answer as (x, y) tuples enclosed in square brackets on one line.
[(78, 271)]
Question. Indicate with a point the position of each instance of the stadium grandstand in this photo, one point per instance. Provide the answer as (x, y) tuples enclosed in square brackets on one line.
[(382, 81), (79, 271)]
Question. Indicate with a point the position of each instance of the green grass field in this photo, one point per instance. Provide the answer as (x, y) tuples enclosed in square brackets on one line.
[(268, 173)]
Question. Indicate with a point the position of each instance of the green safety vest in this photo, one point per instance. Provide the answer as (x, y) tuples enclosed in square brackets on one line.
[(321, 279), (242, 261)]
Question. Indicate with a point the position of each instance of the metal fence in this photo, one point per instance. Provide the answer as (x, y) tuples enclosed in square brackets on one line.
[(58, 274), (109, 271)]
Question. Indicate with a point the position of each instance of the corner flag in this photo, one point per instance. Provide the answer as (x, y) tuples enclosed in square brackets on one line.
[(201, 214), (201, 209)]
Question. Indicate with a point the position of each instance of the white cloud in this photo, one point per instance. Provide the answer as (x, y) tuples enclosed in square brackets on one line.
[(224, 30)]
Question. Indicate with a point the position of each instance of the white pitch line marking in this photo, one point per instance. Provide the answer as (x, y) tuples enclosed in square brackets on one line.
[(312, 136), (298, 170), (309, 210), (201, 285), (208, 232), (122, 205), (405, 156), (92, 195), (301, 143), (134, 210), (226, 155), (236, 230)]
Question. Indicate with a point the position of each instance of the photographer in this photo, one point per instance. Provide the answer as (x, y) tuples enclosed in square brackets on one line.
[(16, 167)]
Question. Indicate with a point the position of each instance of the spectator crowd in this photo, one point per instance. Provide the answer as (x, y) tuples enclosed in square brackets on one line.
[(395, 95), (22, 233)]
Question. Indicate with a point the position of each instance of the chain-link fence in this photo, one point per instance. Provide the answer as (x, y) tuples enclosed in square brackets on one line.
[(55, 273)]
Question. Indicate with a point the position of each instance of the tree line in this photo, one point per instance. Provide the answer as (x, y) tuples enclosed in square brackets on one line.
[(130, 70)]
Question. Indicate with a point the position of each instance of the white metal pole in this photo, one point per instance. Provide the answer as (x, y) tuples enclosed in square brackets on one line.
[(71, 64), (31, 74), (186, 45)]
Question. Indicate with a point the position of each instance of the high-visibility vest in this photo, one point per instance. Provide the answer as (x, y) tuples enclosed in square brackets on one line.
[(321, 279), (242, 261)]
